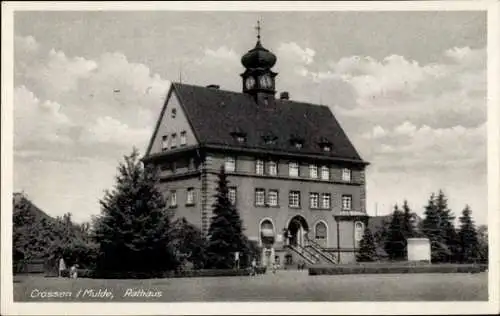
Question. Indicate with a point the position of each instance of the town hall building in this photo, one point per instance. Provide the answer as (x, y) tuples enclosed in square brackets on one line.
[(294, 176)]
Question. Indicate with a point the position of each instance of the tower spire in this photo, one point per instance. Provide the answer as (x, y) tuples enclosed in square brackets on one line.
[(258, 30)]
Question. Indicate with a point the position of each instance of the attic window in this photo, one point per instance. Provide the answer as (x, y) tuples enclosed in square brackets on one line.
[(325, 144), (239, 136), (174, 113), (296, 142), (269, 139)]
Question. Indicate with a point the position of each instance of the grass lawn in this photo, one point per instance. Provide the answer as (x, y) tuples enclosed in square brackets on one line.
[(282, 286)]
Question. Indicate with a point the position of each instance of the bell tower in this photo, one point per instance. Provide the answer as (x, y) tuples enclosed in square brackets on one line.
[(258, 78)]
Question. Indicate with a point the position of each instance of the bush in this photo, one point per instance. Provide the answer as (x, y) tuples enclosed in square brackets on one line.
[(84, 273), (397, 269)]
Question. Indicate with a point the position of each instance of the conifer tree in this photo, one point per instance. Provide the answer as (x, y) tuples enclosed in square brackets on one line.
[(469, 243), (447, 229), (367, 248), (395, 243), (133, 230), (408, 230), (225, 234)]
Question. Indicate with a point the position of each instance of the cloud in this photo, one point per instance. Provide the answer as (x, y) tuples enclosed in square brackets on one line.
[(294, 54), (107, 130), (38, 122)]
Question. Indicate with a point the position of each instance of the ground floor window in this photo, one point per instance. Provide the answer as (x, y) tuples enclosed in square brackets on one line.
[(320, 231)]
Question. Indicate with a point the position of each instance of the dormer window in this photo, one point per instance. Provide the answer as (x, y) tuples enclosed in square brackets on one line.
[(269, 139), (296, 142), (325, 145), (239, 136)]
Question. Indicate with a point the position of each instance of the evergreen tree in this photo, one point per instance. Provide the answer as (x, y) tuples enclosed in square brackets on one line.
[(367, 248), (447, 229), (189, 243), (408, 230), (133, 230), (482, 236), (469, 243), (395, 243), (225, 234)]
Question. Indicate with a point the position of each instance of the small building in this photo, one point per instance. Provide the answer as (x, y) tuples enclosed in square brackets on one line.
[(295, 177)]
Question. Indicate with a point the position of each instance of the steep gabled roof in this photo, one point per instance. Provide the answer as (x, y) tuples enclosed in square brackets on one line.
[(218, 115)]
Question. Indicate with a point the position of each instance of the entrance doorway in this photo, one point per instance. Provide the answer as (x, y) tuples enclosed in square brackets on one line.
[(297, 229)]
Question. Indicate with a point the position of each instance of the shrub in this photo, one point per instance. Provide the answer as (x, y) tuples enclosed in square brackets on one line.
[(397, 268)]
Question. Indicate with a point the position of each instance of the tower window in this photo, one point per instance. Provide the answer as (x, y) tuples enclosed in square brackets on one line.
[(230, 164), (272, 198), (164, 142), (173, 198), (293, 169), (190, 196), (314, 200), (346, 174), (232, 195), (325, 173), (325, 200), (294, 199), (346, 202), (174, 141), (272, 168), (313, 171), (259, 167), (260, 197), (183, 138)]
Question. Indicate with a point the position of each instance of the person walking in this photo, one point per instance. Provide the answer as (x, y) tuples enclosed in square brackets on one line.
[(62, 266), (254, 267)]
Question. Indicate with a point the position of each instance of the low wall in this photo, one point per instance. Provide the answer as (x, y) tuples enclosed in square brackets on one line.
[(396, 269)]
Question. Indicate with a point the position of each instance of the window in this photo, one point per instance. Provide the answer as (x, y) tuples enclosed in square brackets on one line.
[(259, 167), (164, 142), (359, 228), (174, 113), (325, 200), (272, 168), (298, 145), (346, 202), (190, 196), (327, 148), (272, 198), (346, 174), (294, 199), (293, 169), (232, 195), (230, 164), (313, 171), (183, 138), (314, 200), (320, 231), (325, 173), (174, 166), (240, 139), (174, 141), (260, 197), (173, 199)]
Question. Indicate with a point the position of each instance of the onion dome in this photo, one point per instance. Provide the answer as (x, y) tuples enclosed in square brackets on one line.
[(258, 57)]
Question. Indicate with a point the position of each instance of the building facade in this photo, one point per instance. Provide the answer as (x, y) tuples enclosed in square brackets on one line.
[(294, 176)]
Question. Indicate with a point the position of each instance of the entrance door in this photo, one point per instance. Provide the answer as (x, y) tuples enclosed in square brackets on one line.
[(297, 228)]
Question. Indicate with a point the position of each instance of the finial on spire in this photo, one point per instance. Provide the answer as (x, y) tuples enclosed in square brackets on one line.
[(258, 30)]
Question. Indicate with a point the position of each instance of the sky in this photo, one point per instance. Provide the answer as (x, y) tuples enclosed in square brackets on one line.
[(409, 89)]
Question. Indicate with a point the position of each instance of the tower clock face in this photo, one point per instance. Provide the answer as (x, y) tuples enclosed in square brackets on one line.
[(266, 82), (249, 83)]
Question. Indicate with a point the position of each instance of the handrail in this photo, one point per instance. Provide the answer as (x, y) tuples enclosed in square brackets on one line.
[(301, 251), (320, 249)]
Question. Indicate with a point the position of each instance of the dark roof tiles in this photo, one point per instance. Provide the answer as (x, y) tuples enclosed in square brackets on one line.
[(216, 114)]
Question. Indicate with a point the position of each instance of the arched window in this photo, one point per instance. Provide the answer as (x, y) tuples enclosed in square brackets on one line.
[(320, 231), (267, 232), (359, 229)]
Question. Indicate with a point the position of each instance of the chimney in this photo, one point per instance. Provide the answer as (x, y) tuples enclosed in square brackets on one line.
[(213, 86), (284, 95)]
